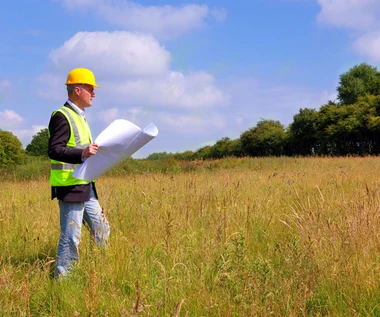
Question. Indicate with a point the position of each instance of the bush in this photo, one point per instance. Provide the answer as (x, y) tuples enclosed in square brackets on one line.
[(11, 151)]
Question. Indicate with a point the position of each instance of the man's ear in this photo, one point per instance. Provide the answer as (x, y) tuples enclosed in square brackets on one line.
[(77, 90)]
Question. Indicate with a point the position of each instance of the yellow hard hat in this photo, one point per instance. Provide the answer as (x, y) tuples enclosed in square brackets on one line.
[(81, 76)]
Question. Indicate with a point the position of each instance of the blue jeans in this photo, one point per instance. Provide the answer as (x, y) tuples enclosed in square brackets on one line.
[(72, 215)]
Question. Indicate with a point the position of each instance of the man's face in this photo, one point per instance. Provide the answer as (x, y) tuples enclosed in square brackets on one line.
[(84, 93)]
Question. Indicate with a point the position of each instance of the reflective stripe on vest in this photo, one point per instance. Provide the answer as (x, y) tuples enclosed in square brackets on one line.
[(73, 125), (65, 166), (80, 137)]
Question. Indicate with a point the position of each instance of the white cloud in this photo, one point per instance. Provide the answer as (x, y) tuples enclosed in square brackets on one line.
[(354, 14), (360, 16), (172, 89), (25, 135), (253, 100), (196, 123), (161, 21), (368, 45), (118, 53), (139, 81), (10, 119), (37, 128), (108, 115)]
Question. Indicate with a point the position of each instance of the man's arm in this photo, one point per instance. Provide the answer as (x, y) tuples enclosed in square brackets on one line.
[(59, 135)]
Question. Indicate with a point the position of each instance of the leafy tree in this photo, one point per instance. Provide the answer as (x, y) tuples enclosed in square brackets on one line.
[(328, 116), (266, 139), (302, 133), (349, 129), (234, 148), (220, 148), (358, 81), (187, 155), (357, 128), (39, 144), (340, 127), (204, 153), (159, 156), (11, 151)]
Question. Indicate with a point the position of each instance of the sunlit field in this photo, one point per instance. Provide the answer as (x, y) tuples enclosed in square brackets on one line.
[(235, 237)]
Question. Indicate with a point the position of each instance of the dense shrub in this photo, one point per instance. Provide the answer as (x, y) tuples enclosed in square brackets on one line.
[(11, 151)]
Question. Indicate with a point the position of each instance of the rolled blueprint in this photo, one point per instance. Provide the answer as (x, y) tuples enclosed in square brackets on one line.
[(117, 142)]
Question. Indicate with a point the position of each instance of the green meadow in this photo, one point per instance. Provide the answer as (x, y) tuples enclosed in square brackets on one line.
[(230, 237)]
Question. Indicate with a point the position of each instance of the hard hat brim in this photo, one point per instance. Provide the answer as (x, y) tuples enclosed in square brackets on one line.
[(95, 86)]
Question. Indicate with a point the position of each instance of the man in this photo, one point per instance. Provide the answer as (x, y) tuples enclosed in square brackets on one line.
[(70, 143)]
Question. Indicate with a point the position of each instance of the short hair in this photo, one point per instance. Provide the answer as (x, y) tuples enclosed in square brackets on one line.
[(70, 88)]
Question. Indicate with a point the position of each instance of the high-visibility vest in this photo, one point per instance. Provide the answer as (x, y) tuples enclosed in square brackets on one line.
[(80, 138)]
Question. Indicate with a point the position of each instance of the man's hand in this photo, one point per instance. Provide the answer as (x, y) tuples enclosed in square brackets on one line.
[(90, 150)]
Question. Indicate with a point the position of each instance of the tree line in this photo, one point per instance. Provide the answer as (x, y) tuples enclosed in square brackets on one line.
[(349, 125)]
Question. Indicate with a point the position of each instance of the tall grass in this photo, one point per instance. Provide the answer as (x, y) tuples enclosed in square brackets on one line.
[(234, 237)]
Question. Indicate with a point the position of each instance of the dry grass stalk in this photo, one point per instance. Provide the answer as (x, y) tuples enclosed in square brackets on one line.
[(177, 309), (26, 295)]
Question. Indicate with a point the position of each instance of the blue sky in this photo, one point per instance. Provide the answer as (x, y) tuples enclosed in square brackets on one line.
[(199, 70)]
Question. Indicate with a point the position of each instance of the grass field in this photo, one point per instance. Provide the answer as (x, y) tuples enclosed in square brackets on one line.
[(235, 237)]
